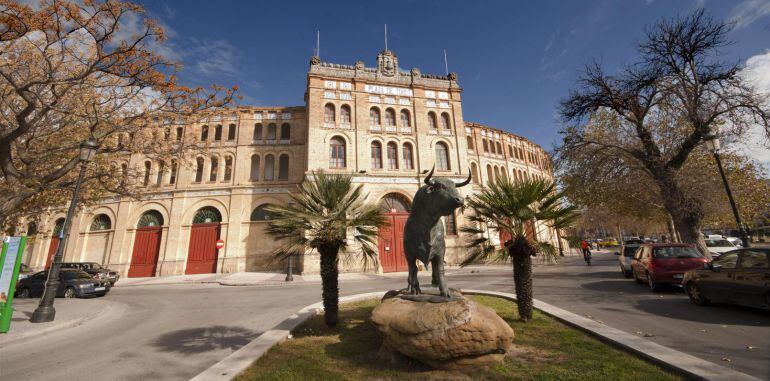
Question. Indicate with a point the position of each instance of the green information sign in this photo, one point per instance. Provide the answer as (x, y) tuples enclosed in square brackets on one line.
[(10, 260)]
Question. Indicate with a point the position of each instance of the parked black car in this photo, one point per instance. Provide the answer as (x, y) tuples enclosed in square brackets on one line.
[(72, 283), (738, 277), (95, 269)]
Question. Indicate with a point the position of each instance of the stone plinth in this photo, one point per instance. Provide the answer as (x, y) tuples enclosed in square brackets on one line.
[(451, 335)]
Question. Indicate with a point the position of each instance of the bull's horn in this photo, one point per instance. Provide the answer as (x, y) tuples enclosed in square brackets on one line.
[(430, 174), (466, 182)]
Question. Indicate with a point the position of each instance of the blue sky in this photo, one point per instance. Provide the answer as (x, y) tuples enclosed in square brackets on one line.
[(515, 59)]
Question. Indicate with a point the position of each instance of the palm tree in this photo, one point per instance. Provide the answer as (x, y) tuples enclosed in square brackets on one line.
[(325, 211), (515, 212)]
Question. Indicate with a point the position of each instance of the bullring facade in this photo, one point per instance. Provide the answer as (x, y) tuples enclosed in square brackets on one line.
[(385, 126)]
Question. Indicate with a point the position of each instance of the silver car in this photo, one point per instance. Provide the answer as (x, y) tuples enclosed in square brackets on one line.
[(625, 255), (718, 246)]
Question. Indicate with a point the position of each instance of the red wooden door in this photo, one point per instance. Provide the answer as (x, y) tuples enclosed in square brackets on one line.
[(52, 251), (391, 243), (144, 259), (202, 255)]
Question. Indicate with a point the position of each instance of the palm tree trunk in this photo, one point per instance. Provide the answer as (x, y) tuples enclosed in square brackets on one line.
[(330, 283), (522, 279)]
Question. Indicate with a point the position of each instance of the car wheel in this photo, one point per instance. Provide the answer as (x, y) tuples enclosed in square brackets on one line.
[(626, 273), (696, 296), (654, 287), (636, 278), (24, 293), (69, 293)]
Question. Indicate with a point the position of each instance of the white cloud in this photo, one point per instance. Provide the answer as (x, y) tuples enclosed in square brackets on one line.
[(755, 143), (748, 11)]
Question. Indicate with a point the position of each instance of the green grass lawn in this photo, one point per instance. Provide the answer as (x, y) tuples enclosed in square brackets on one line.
[(545, 349)]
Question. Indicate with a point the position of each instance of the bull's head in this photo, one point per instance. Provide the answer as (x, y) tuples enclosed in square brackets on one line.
[(439, 195)]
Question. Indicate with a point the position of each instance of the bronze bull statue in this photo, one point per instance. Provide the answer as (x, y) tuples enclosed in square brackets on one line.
[(424, 231)]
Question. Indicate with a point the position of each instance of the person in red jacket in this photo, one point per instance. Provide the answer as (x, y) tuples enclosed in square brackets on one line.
[(586, 251)]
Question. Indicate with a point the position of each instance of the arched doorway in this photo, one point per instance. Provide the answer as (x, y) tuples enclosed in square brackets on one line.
[(55, 239), (204, 233), (396, 209), (149, 231)]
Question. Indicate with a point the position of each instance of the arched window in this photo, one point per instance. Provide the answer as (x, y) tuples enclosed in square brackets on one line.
[(283, 167), (345, 114), (504, 174), (150, 218), (172, 178), (179, 133), (395, 203), (432, 123), (475, 173), (337, 153), (123, 173), (31, 228), (392, 155), (228, 167), (167, 134), (407, 155), (491, 146), (254, 175), (285, 131), (374, 116), (257, 132), (218, 133), (198, 169), (214, 168), (499, 148), (510, 151), (261, 213), (147, 168), (207, 215), (231, 132), (204, 133), (490, 175), (485, 145), (497, 174), (445, 121), (469, 140), (269, 168), (406, 121), (58, 226), (376, 155), (329, 114), (100, 222), (390, 117), (442, 156), (271, 131), (161, 172)]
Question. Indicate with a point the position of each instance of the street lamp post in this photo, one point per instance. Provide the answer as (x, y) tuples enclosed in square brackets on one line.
[(289, 275), (713, 144), (45, 311)]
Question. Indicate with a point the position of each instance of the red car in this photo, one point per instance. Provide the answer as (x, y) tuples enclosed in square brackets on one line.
[(665, 263)]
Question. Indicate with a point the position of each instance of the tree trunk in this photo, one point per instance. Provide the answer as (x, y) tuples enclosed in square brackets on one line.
[(330, 283), (672, 237), (522, 279), (685, 212)]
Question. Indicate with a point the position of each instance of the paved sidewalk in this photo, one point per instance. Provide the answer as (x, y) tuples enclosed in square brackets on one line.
[(69, 313)]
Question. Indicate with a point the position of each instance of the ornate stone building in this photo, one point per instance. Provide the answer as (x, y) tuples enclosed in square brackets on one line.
[(386, 126)]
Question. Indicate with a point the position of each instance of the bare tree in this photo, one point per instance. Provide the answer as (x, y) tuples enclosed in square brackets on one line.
[(675, 94), (72, 71)]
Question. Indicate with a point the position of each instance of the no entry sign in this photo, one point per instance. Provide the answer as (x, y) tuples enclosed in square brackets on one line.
[(220, 244)]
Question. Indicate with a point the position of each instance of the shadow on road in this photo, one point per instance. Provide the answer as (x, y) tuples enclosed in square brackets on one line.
[(627, 286), (717, 314), (199, 340)]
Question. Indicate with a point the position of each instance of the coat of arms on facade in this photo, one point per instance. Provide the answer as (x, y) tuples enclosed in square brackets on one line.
[(387, 63)]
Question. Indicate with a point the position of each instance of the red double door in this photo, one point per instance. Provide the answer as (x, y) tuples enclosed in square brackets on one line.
[(202, 254), (391, 243), (144, 259), (52, 250)]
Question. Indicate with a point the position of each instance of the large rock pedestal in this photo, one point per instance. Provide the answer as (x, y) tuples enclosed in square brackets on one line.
[(455, 334)]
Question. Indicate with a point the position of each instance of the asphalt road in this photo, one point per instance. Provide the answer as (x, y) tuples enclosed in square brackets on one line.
[(172, 332)]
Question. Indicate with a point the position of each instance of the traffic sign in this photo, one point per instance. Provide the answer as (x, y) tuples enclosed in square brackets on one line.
[(220, 244)]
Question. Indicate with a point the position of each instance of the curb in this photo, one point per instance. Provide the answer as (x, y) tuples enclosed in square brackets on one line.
[(239, 360), (668, 358), (109, 308)]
